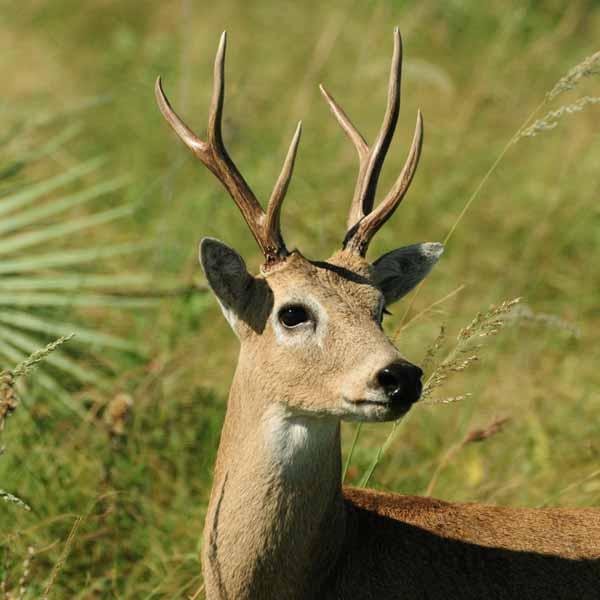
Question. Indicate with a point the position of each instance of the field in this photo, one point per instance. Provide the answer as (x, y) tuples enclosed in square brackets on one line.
[(112, 442)]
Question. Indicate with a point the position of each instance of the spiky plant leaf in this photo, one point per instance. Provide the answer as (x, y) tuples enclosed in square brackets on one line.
[(48, 268), (34, 192), (29, 322), (65, 258)]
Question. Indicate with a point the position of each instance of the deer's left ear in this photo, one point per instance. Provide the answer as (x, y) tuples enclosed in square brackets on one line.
[(399, 271)]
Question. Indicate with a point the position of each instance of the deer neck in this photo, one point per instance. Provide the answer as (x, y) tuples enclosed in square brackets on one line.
[(276, 522)]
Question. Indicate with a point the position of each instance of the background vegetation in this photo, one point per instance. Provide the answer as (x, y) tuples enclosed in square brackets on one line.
[(117, 471)]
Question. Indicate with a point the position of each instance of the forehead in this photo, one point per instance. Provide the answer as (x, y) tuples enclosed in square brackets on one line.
[(340, 279)]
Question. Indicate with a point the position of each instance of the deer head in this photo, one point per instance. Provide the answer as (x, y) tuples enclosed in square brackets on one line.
[(310, 331)]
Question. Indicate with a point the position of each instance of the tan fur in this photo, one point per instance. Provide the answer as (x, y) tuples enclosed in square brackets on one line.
[(279, 525)]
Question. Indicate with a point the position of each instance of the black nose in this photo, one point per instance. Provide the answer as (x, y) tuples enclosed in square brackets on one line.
[(401, 382)]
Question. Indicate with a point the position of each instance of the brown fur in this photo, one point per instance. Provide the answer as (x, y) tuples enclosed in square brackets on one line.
[(412, 547)]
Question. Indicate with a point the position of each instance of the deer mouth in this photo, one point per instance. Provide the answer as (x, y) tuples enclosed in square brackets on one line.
[(377, 410), (385, 403)]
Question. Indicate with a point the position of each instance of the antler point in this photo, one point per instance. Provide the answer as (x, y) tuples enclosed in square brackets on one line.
[(160, 95), (222, 46)]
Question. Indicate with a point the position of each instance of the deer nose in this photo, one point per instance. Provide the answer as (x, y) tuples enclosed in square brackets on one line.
[(401, 381)]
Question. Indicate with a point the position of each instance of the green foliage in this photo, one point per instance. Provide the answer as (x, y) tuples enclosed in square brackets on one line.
[(136, 493), (41, 283), (9, 399), (476, 69)]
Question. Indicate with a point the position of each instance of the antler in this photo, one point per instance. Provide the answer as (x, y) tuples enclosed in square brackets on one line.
[(363, 221), (264, 226)]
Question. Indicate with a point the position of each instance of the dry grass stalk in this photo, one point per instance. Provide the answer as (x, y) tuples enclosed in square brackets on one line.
[(8, 403), (63, 557), (21, 590), (8, 396), (8, 378), (550, 120), (481, 434), (31, 361), (9, 399), (466, 351), (433, 350), (199, 591), (475, 435), (525, 315), (463, 355), (588, 67)]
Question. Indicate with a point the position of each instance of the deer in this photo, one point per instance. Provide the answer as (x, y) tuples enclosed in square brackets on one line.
[(313, 352)]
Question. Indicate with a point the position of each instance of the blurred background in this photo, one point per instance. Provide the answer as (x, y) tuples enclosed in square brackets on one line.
[(113, 439)]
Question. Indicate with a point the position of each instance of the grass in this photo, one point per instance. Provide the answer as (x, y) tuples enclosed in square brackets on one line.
[(137, 491)]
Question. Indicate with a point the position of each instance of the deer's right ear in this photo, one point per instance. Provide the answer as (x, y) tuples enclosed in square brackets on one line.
[(399, 271), (228, 278)]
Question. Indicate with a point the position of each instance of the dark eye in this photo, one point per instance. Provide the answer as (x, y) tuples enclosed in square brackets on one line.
[(293, 315)]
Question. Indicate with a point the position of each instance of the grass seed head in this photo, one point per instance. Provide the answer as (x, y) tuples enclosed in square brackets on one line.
[(8, 396), (587, 68), (466, 350), (550, 119), (482, 434)]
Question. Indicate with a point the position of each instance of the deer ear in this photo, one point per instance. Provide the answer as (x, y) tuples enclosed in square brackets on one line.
[(227, 276), (399, 271)]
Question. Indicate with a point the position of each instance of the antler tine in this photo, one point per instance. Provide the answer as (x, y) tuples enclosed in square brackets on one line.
[(272, 223), (361, 236), (371, 159), (362, 148), (215, 111), (187, 136), (213, 155), (363, 221), (388, 126), (349, 129)]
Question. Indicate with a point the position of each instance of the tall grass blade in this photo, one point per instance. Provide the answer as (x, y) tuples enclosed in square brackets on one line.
[(351, 451)]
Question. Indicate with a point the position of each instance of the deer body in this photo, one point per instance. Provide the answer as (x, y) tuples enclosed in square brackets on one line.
[(290, 532), (279, 524), (313, 352), (303, 538)]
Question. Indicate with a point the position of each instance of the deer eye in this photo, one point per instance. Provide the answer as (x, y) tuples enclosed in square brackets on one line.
[(293, 315)]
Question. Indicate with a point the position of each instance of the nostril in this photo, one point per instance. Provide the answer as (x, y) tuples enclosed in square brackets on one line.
[(387, 379), (401, 382)]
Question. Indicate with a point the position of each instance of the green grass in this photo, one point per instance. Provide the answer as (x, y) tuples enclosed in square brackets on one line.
[(477, 71)]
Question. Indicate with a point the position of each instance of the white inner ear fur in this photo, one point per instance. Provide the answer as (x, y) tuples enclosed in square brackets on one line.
[(313, 332), (380, 309), (230, 315)]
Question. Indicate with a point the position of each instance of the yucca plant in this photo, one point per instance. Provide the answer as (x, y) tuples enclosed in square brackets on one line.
[(46, 274)]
